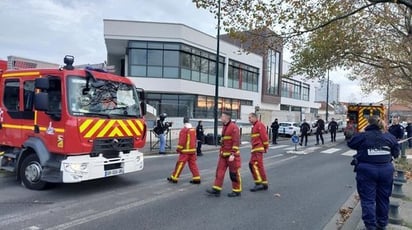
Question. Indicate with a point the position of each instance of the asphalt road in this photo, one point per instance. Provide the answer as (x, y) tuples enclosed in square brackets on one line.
[(305, 192)]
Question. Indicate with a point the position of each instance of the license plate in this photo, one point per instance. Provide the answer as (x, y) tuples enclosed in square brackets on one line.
[(113, 172)]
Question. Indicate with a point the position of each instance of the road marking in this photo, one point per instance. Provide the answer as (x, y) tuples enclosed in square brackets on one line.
[(278, 146), (349, 153), (331, 150)]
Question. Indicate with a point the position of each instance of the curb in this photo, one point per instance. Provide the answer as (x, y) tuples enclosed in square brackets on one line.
[(352, 222)]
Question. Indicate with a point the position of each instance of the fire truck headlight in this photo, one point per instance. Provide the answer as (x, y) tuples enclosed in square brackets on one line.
[(76, 167)]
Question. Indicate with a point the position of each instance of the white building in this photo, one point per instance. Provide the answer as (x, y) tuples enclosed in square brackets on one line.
[(334, 91), (175, 64)]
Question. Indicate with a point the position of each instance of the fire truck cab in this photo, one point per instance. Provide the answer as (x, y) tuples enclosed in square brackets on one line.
[(358, 115), (69, 125)]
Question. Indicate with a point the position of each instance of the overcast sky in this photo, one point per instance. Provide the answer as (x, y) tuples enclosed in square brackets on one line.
[(49, 29)]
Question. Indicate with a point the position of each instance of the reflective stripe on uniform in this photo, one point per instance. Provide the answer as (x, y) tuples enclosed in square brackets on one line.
[(258, 149), (255, 135), (217, 188), (227, 138)]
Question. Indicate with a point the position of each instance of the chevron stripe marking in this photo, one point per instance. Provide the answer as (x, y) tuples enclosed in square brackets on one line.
[(95, 127), (133, 127), (84, 125), (139, 124), (125, 128), (116, 132), (106, 128)]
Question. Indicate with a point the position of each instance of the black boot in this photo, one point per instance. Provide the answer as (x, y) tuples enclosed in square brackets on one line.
[(259, 187), (171, 180), (213, 192), (233, 194), (195, 181)]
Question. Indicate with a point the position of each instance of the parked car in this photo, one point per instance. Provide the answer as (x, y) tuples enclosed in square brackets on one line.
[(288, 128)]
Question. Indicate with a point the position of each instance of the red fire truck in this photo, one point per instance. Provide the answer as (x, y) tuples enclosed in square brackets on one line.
[(358, 115), (69, 125)]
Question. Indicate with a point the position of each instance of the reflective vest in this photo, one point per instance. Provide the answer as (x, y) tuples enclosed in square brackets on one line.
[(230, 140), (187, 140), (259, 138)]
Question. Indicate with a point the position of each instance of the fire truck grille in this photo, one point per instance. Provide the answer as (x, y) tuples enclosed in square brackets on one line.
[(107, 145)]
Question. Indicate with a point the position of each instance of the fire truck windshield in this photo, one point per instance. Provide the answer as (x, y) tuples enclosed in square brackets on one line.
[(101, 98)]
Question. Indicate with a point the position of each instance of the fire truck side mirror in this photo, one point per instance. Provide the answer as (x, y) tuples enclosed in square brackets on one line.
[(41, 101), (42, 83)]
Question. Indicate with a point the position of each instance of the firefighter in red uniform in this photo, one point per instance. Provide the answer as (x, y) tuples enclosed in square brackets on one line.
[(186, 148), (229, 156), (260, 144)]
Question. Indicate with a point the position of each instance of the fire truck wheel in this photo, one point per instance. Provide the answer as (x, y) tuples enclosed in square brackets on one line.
[(30, 173)]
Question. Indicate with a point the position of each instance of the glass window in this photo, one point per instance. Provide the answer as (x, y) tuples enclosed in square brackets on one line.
[(185, 60), (154, 57), (195, 63), (155, 45), (138, 71), (138, 56), (171, 58), (153, 71), (11, 95), (185, 74), (28, 94), (171, 46), (171, 72), (137, 44)]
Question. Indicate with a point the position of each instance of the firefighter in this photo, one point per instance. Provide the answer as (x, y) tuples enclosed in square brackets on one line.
[(186, 148), (374, 171), (229, 156), (260, 144)]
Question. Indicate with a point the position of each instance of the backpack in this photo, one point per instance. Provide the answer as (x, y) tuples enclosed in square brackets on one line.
[(157, 130)]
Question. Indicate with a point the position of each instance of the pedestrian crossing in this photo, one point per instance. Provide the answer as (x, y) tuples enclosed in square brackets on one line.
[(313, 149)]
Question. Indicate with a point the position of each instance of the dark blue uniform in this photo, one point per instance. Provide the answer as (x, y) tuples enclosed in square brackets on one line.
[(374, 173), (397, 131)]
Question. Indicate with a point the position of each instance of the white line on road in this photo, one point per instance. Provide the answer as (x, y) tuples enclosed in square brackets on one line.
[(278, 146), (331, 150), (349, 153)]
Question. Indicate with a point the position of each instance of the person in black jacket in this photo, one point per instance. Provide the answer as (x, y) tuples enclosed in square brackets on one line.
[(332, 128), (320, 126), (396, 129), (408, 129), (200, 136), (375, 149), (304, 130), (275, 130)]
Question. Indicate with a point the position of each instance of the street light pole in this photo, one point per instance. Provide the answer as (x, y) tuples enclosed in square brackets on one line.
[(217, 77), (327, 97)]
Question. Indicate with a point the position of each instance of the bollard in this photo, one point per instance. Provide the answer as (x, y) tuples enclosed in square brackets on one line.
[(400, 176), (394, 217), (397, 190)]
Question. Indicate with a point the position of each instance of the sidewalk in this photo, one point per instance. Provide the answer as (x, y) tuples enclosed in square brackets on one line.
[(404, 210)]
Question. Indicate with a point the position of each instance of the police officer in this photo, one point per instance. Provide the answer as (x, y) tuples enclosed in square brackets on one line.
[(275, 130), (304, 130), (396, 129), (332, 128), (229, 157), (374, 172), (320, 126)]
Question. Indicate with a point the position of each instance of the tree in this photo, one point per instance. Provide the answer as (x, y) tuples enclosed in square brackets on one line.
[(370, 38)]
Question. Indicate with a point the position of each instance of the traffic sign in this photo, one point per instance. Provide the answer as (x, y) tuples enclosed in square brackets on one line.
[(295, 139)]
